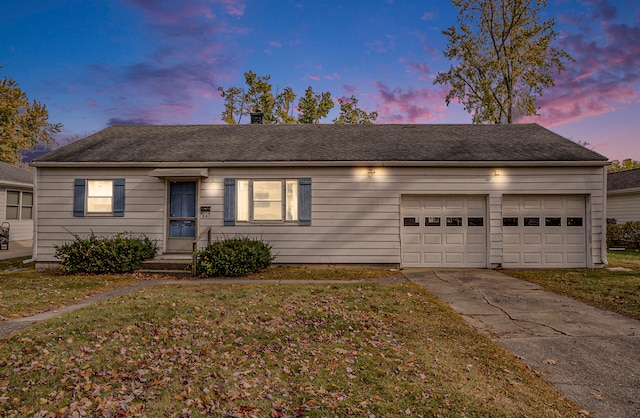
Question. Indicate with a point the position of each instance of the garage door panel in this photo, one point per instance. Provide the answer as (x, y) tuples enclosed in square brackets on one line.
[(553, 258), (553, 239), (511, 239), (432, 239), (454, 258), (453, 203), (411, 257), (412, 239), (532, 258), (531, 239), (432, 258), (476, 239), (454, 239), (557, 240)]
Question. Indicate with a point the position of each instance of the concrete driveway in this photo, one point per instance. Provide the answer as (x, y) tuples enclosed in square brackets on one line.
[(591, 356)]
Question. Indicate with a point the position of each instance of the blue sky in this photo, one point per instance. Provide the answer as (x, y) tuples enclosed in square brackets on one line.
[(98, 63)]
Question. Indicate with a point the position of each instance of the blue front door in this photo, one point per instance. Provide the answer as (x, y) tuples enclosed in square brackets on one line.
[(182, 215)]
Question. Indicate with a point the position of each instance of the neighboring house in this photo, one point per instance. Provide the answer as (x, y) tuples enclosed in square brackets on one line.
[(16, 201), (623, 196), (408, 195)]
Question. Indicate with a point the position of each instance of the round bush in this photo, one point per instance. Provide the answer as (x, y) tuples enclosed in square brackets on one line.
[(234, 257)]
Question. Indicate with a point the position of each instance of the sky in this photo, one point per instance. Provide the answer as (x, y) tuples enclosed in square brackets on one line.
[(99, 63)]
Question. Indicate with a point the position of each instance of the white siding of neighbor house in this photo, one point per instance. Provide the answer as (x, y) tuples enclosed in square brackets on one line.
[(355, 217), (20, 230), (624, 207)]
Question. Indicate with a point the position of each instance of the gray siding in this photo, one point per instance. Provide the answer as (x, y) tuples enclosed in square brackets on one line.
[(624, 207), (355, 217)]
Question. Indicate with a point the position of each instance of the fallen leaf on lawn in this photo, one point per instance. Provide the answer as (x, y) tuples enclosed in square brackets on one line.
[(549, 361), (597, 395)]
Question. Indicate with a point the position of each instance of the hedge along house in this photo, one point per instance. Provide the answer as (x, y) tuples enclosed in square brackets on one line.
[(408, 195), (16, 201)]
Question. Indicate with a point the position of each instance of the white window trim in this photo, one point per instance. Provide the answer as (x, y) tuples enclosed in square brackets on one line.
[(20, 204), (88, 197), (245, 201)]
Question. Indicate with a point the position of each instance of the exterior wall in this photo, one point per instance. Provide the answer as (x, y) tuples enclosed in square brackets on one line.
[(20, 230), (624, 207), (355, 216)]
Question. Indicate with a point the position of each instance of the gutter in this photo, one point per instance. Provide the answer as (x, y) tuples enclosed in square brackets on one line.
[(220, 164)]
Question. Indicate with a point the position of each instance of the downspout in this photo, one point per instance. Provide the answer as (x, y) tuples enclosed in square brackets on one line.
[(603, 251), (34, 238)]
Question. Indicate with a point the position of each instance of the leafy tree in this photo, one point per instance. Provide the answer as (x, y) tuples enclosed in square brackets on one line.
[(23, 124), (350, 113), (626, 164), (502, 58), (313, 106)]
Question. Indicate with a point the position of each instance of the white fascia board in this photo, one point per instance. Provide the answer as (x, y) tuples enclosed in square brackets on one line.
[(203, 164), (5, 183), (623, 191)]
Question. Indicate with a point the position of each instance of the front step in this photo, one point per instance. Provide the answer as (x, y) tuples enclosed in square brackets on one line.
[(167, 267)]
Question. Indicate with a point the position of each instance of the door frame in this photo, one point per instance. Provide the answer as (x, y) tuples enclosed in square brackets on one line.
[(187, 248)]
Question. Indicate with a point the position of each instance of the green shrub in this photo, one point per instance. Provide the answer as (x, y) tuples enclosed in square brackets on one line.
[(121, 253), (623, 235), (234, 257)]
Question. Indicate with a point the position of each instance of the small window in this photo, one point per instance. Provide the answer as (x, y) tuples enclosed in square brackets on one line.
[(574, 221), (411, 222), (531, 221), (99, 196), (432, 221), (475, 221), (510, 221), (552, 221), (19, 205), (454, 221)]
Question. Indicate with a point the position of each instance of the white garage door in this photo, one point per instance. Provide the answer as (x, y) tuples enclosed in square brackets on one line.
[(444, 231), (544, 231)]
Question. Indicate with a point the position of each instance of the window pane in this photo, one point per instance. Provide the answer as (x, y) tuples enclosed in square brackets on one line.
[(267, 211), (552, 222), (26, 212), (13, 198), (100, 188), (99, 204), (411, 222), (574, 221), (531, 221), (267, 190), (27, 199), (292, 200), (475, 221), (243, 200), (510, 221), (12, 212), (454, 221), (432, 221)]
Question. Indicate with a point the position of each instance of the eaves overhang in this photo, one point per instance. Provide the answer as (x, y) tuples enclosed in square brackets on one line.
[(5, 183), (220, 164)]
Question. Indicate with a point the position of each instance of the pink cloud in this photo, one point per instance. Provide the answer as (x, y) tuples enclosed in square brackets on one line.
[(275, 44), (313, 77), (397, 105), (604, 75)]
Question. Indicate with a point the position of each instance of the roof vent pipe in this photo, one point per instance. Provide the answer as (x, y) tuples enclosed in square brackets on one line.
[(257, 118)]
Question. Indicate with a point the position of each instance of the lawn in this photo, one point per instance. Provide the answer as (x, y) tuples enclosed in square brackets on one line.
[(617, 291), (272, 350)]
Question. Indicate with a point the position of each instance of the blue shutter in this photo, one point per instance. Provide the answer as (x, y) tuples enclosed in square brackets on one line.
[(229, 202), (78, 197), (304, 201), (118, 197)]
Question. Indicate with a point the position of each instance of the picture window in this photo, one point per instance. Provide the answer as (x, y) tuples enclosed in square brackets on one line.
[(510, 221)]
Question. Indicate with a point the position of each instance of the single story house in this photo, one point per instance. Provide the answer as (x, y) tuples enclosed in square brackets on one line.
[(16, 201), (623, 196), (408, 195)]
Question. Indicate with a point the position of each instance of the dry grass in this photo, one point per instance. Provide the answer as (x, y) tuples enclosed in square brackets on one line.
[(256, 350)]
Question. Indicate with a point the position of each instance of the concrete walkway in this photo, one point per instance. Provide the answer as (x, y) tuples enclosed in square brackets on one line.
[(17, 249), (591, 356)]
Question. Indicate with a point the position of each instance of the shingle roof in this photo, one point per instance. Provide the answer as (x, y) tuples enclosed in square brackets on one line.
[(335, 143), (12, 174), (629, 179)]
